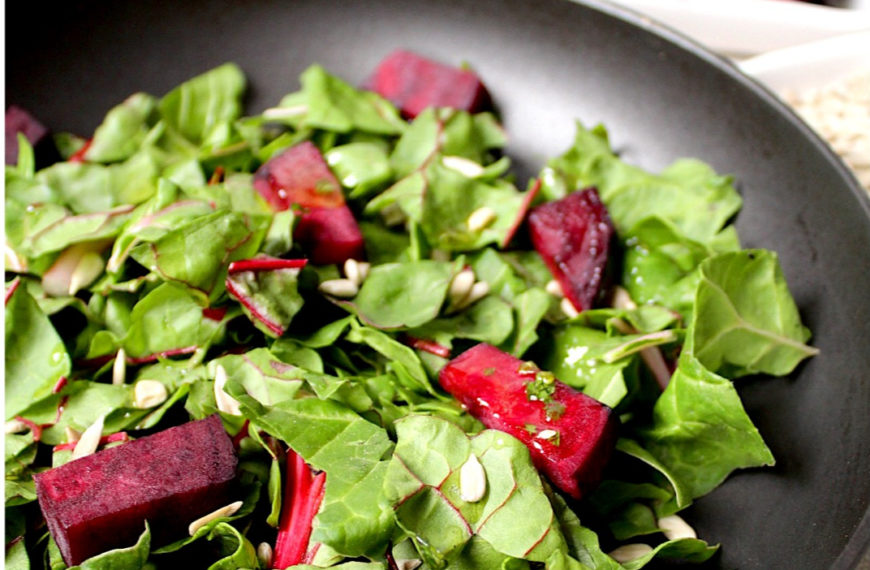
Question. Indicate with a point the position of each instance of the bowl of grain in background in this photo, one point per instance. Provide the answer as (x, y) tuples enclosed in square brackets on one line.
[(827, 82)]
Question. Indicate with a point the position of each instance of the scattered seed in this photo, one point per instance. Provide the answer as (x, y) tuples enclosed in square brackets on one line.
[(16, 426), (554, 288), (408, 563), (568, 308), (478, 291), (674, 527), (227, 511), (342, 288), (462, 165), (90, 439), (285, 112), (356, 271), (149, 393), (72, 434), (264, 554), (629, 552), (460, 287), (472, 480), (622, 299), (119, 368), (481, 218), (225, 403)]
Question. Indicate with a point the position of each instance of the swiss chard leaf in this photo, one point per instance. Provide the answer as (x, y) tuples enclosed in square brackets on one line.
[(35, 356), (123, 130), (746, 320), (700, 431), (198, 106)]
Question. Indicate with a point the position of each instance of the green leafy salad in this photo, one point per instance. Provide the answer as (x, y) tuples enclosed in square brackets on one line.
[(150, 282)]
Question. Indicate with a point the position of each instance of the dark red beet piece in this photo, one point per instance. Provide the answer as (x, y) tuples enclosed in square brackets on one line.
[(570, 436), (414, 83), (171, 478), (573, 236), (20, 121), (299, 178)]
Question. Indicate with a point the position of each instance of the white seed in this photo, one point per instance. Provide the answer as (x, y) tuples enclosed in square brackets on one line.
[(285, 112), (478, 291), (674, 528), (408, 563), (72, 434), (629, 552), (264, 554), (462, 165), (472, 480), (90, 439), (119, 368), (342, 288), (226, 511), (547, 434), (356, 271), (481, 218), (460, 287), (16, 426), (225, 403), (149, 393), (554, 288), (568, 308), (622, 299)]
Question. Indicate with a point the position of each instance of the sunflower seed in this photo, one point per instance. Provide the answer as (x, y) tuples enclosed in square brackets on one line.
[(90, 439), (460, 287), (554, 288), (264, 554), (481, 218), (149, 393), (225, 403), (568, 308), (356, 271), (16, 426), (119, 368), (342, 288), (629, 552), (472, 480), (674, 527), (463, 166), (227, 511)]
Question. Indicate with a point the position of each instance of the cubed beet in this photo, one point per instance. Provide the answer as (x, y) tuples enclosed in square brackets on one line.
[(19, 120), (299, 178), (570, 436), (414, 83), (573, 237), (101, 501)]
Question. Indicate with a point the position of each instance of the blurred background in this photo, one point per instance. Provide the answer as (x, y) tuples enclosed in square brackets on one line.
[(814, 55)]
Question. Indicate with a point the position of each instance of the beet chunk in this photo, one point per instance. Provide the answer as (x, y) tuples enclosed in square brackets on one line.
[(19, 120), (573, 237), (299, 178), (413, 83), (101, 502), (570, 436)]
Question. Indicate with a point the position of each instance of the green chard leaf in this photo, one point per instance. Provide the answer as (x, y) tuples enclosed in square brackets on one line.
[(123, 130), (700, 431), (200, 105), (35, 356), (746, 320)]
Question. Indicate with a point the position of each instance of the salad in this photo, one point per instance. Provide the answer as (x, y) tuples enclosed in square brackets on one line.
[(419, 360)]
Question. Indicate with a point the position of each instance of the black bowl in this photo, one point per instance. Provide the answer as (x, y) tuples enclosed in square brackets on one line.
[(548, 62)]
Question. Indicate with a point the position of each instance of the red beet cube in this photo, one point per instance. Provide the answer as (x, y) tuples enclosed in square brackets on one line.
[(20, 121), (171, 478), (573, 237), (570, 436), (413, 83), (299, 178)]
